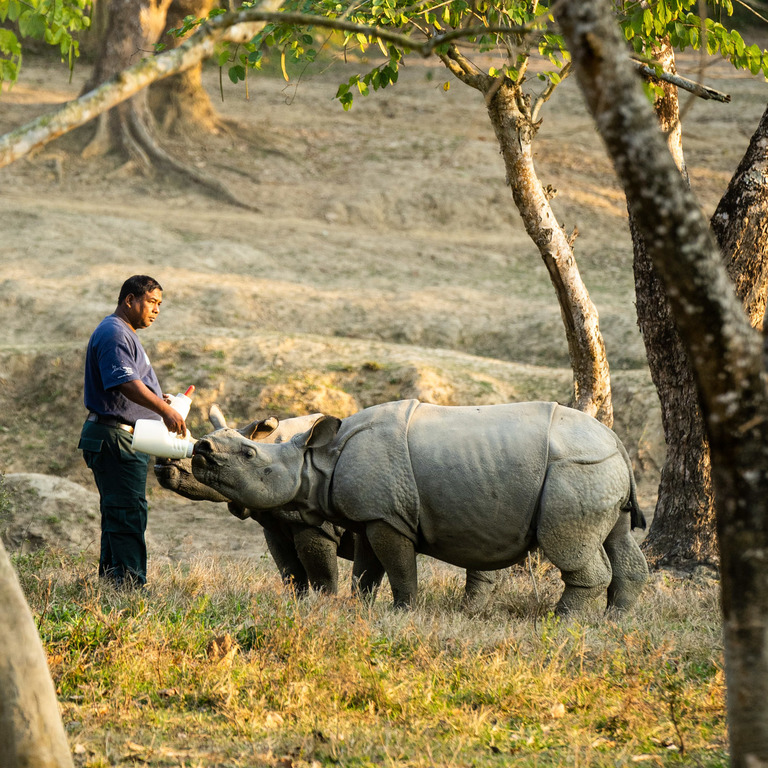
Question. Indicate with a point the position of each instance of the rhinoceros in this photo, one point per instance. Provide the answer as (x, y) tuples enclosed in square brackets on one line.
[(478, 487), (305, 553)]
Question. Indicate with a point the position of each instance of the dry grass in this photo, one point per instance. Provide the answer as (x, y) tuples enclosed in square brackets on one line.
[(217, 665)]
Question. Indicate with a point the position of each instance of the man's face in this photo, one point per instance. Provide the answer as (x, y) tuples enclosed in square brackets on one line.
[(141, 311)]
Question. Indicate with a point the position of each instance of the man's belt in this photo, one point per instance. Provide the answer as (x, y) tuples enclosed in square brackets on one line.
[(110, 421)]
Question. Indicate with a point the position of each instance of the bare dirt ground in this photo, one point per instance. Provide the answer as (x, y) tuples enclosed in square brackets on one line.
[(385, 259)]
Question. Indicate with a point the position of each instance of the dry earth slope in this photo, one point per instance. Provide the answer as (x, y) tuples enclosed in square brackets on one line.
[(386, 260)]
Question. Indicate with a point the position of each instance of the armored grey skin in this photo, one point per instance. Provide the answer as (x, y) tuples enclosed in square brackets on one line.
[(478, 487), (305, 554)]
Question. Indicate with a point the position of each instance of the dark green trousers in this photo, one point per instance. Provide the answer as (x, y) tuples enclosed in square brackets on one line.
[(121, 477)]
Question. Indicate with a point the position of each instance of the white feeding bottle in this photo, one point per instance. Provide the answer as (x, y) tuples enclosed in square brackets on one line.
[(181, 402), (151, 436)]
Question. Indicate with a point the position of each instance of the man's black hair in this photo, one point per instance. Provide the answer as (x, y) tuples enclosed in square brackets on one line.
[(138, 285)]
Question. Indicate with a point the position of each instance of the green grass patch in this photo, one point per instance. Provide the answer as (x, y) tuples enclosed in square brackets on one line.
[(218, 665)]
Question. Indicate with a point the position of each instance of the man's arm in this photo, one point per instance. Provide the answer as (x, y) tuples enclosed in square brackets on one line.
[(138, 392)]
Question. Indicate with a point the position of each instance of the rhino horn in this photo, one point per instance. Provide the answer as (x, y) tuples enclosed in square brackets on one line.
[(216, 417), (259, 429)]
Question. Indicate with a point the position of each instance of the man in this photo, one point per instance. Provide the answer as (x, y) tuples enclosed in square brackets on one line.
[(121, 387)]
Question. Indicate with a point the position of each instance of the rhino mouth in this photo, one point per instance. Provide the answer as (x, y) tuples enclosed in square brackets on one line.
[(168, 475), (204, 467)]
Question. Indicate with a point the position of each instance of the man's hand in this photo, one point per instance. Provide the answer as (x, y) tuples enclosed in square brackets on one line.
[(174, 421), (138, 392)]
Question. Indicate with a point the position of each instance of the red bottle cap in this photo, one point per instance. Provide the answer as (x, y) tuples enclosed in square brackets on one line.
[(190, 390)]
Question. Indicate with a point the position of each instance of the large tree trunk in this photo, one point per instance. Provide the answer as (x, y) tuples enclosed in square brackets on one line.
[(31, 731), (683, 530), (740, 225), (180, 104), (510, 116), (133, 27), (725, 352)]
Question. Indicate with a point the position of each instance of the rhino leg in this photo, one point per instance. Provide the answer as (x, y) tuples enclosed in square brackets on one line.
[(630, 569), (580, 505), (477, 590), (283, 551), (317, 554), (398, 556), (367, 570), (584, 584)]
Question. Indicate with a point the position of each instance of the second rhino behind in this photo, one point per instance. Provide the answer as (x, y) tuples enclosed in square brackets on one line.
[(478, 487)]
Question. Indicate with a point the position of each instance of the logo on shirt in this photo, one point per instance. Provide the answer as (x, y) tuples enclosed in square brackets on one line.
[(120, 371)]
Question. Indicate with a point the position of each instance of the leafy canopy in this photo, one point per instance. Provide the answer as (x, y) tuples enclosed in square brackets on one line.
[(512, 29), (55, 22)]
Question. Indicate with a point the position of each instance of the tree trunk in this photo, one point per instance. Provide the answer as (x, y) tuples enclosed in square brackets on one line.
[(682, 534), (510, 116), (133, 27), (31, 731), (740, 225), (725, 352), (180, 104)]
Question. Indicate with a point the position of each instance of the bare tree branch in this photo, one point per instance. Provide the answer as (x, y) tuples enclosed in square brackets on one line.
[(697, 89)]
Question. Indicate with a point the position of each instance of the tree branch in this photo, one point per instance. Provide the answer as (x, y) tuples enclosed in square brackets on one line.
[(697, 89), (238, 27), (230, 27)]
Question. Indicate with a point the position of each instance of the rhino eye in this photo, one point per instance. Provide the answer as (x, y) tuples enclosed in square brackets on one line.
[(249, 453)]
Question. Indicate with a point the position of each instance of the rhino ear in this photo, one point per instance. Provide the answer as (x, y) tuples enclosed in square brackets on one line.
[(216, 417), (259, 429), (319, 434)]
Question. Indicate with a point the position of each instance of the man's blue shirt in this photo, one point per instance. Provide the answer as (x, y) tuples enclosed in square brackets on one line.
[(115, 356)]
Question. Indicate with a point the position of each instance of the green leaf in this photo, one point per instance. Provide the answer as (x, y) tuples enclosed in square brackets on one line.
[(237, 73), (32, 24), (14, 9), (648, 21), (9, 43), (738, 43)]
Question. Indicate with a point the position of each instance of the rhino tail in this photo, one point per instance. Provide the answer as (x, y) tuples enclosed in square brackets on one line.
[(631, 505)]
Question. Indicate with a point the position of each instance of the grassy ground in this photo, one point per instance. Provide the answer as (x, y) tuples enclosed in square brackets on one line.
[(218, 665)]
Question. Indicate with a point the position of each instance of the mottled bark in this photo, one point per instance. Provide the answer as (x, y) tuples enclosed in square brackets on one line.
[(510, 114), (683, 531), (133, 27), (31, 731), (180, 104), (740, 225), (725, 352)]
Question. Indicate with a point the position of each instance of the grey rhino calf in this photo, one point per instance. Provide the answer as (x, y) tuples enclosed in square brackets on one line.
[(305, 554), (478, 487)]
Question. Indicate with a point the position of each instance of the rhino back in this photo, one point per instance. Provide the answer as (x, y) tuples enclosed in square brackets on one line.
[(579, 438), (479, 473), (461, 482)]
